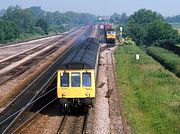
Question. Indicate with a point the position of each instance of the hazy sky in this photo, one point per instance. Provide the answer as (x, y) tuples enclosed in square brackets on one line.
[(100, 7)]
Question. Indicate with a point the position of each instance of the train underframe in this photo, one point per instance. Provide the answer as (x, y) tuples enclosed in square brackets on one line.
[(75, 104), (110, 40)]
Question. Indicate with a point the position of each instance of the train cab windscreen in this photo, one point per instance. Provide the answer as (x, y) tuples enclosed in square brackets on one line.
[(108, 32), (113, 32), (75, 79), (86, 80), (64, 79)]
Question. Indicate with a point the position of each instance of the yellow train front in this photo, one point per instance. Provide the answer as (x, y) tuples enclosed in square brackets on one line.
[(110, 36), (77, 75)]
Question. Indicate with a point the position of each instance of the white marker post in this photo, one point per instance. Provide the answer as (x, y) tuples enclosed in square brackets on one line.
[(137, 56), (120, 36)]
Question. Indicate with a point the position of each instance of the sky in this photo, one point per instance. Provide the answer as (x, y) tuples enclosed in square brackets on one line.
[(99, 7)]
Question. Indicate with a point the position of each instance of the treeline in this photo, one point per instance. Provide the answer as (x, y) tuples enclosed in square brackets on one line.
[(17, 23), (119, 18), (174, 19), (2, 11), (147, 28)]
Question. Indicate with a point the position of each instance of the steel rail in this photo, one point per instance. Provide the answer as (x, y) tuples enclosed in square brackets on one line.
[(50, 68), (60, 129), (63, 123), (58, 40), (84, 123), (29, 105), (29, 51), (37, 39), (31, 83), (32, 116)]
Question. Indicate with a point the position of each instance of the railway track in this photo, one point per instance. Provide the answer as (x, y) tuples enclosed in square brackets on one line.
[(35, 89), (68, 123), (28, 112), (18, 64), (30, 43), (73, 124), (37, 45), (17, 71), (8, 61)]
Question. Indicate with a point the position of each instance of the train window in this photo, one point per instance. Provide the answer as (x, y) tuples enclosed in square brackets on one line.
[(113, 32), (75, 79), (64, 79), (86, 79), (108, 32)]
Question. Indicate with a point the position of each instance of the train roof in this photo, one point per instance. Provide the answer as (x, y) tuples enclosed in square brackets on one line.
[(110, 29), (83, 57)]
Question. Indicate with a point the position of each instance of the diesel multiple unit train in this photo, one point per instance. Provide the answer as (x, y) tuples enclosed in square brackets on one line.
[(77, 75)]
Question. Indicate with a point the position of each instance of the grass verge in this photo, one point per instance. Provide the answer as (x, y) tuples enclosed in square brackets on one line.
[(150, 94)]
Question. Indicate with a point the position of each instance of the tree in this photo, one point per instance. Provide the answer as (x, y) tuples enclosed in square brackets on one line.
[(8, 31), (136, 32), (43, 24), (34, 20), (119, 18), (144, 16), (124, 18), (37, 11), (159, 32), (147, 27), (173, 19), (2, 11), (21, 17)]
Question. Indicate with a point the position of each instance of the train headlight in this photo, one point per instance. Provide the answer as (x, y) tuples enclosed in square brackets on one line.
[(64, 94), (87, 94)]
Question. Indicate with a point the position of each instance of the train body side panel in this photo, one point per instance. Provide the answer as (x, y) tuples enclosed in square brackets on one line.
[(76, 92)]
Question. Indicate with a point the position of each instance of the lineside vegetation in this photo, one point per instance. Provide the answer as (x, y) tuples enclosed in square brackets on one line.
[(176, 26), (149, 28), (150, 94), (17, 24), (167, 58)]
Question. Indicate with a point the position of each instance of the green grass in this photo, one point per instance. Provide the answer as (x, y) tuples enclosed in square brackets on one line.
[(167, 58), (150, 94)]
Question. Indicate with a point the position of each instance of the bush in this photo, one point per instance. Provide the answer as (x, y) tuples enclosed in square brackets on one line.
[(129, 41), (167, 58), (8, 31)]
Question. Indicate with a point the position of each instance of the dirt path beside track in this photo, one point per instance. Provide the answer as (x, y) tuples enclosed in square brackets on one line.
[(108, 117)]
